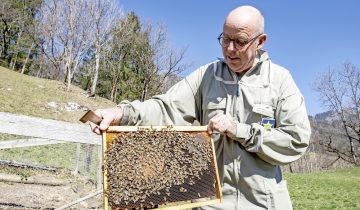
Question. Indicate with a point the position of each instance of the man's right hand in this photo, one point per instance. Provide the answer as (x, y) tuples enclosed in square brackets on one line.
[(109, 116)]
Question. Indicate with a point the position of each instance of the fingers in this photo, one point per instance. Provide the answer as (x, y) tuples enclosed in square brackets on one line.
[(95, 128), (215, 124), (210, 127), (108, 116), (105, 123), (222, 124)]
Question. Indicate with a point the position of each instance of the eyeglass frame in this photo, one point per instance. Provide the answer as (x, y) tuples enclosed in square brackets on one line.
[(235, 41)]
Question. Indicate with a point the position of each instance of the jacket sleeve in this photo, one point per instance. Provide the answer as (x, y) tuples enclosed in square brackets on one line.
[(290, 139), (178, 106)]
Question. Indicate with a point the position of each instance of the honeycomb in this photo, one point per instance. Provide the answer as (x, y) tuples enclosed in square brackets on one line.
[(149, 168)]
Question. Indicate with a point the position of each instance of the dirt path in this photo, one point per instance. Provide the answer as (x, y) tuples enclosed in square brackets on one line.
[(36, 196)]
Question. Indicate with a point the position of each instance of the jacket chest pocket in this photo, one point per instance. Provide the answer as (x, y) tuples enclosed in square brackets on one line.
[(212, 107), (262, 113)]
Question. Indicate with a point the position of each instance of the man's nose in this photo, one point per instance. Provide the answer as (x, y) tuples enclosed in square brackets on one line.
[(231, 45)]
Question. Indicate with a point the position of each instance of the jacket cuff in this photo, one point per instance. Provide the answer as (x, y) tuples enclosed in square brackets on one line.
[(243, 131), (125, 113)]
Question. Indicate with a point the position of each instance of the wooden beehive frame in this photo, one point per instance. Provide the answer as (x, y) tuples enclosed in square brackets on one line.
[(113, 129)]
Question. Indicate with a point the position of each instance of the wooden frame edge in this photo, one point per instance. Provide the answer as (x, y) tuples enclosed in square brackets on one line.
[(105, 184), (218, 185), (218, 199), (156, 128), (191, 205)]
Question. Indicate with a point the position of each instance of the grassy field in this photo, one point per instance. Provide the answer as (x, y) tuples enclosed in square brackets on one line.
[(338, 189)]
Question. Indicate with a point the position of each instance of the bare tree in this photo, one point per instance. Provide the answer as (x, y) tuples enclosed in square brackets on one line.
[(159, 60), (104, 14), (340, 92), (65, 26), (171, 66)]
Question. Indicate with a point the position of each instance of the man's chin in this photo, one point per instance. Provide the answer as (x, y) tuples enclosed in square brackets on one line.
[(237, 69), (234, 68)]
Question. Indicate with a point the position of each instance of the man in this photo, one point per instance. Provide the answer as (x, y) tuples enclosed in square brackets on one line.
[(253, 103)]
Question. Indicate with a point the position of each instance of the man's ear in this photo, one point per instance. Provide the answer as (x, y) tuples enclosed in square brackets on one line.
[(262, 39)]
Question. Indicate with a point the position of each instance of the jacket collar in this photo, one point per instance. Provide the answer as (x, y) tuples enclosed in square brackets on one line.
[(252, 77)]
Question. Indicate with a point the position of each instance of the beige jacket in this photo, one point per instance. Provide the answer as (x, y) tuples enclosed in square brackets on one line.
[(249, 163)]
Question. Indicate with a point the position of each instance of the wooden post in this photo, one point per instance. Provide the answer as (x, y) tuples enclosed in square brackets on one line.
[(77, 158)]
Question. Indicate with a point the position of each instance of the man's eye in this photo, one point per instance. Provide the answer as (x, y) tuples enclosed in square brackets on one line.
[(240, 42)]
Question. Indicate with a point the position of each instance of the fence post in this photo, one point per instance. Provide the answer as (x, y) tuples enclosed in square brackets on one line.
[(77, 158)]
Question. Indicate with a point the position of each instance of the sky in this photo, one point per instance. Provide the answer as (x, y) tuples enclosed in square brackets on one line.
[(306, 37)]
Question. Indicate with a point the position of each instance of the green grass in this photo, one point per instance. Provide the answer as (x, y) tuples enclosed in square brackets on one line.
[(337, 189), (57, 155), (61, 156)]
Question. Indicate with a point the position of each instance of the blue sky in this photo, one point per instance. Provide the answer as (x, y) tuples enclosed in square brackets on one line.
[(306, 37)]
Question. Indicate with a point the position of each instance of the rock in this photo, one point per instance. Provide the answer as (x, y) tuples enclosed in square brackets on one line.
[(52, 104), (72, 106)]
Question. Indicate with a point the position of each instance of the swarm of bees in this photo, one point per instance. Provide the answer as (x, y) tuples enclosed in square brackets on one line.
[(148, 168)]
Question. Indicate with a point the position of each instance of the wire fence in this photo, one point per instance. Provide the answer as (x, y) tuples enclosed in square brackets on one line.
[(63, 158)]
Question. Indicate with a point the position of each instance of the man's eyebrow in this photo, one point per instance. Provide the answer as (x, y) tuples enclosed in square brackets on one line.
[(241, 38), (237, 37)]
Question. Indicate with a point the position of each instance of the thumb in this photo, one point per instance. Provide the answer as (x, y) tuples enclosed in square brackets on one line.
[(105, 119), (105, 123), (209, 129)]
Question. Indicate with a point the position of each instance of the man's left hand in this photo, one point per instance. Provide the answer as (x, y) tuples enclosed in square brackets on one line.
[(223, 124)]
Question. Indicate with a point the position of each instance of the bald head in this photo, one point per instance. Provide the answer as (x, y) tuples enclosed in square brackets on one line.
[(243, 35), (246, 17)]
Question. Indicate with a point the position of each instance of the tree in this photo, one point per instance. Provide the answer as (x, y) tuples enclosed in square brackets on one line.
[(340, 92), (104, 14), (158, 60), (17, 24), (119, 78), (137, 59), (66, 35), (8, 28)]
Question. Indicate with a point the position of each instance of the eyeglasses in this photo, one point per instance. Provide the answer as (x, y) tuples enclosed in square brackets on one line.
[(238, 44)]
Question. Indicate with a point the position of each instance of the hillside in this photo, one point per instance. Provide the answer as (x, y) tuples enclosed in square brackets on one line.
[(26, 95)]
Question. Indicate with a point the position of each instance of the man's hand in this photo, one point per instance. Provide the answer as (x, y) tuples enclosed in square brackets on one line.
[(223, 124), (109, 116)]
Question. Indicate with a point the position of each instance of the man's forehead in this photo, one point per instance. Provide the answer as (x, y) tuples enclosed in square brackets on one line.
[(238, 31)]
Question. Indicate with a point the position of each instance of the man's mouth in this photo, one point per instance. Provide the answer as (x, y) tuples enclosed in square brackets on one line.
[(231, 58)]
